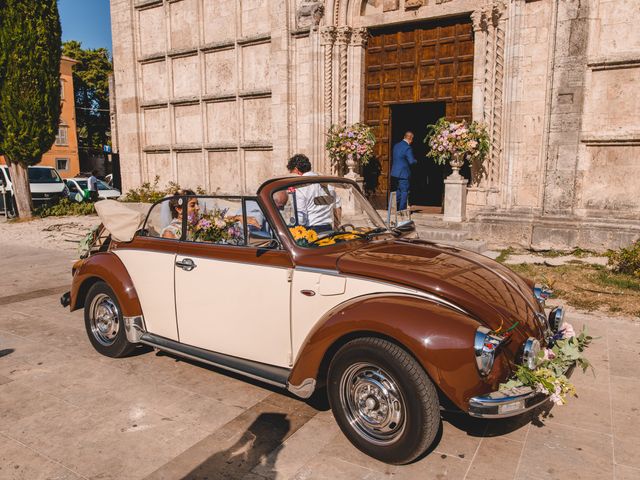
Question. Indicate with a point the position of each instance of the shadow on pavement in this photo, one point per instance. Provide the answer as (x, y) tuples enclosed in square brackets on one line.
[(6, 351), (254, 447)]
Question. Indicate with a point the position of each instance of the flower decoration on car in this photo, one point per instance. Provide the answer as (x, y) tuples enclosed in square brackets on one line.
[(217, 227), (552, 365), (303, 236)]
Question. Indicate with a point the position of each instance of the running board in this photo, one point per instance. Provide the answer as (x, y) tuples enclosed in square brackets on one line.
[(259, 371)]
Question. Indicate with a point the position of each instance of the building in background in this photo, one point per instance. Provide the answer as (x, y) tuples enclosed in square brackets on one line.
[(219, 93), (63, 155)]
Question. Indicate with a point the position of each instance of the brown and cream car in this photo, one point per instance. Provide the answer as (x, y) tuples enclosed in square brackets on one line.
[(304, 287)]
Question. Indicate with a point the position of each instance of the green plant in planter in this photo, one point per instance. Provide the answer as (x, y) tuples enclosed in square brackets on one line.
[(452, 140)]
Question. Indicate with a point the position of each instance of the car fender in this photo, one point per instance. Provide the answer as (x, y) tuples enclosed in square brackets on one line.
[(438, 336), (109, 268)]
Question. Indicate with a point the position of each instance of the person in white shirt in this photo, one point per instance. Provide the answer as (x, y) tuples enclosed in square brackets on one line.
[(317, 205), (92, 185)]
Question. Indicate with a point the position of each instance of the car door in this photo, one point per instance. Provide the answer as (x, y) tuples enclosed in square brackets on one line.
[(231, 297), (150, 261)]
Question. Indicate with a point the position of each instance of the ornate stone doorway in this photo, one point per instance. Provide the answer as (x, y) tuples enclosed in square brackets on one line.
[(414, 63)]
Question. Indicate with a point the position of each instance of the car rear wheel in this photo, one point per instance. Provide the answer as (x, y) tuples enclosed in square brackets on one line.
[(383, 400), (104, 323)]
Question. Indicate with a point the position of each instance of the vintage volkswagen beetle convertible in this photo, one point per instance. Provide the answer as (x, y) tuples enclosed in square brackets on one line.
[(311, 290)]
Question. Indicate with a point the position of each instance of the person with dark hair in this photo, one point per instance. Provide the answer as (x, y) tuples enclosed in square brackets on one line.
[(317, 205), (92, 185), (176, 206), (299, 164), (400, 169)]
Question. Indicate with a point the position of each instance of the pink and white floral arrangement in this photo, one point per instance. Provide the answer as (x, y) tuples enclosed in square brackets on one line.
[(353, 143)]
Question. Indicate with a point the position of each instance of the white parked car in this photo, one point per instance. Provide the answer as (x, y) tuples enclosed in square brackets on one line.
[(47, 187), (79, 185)]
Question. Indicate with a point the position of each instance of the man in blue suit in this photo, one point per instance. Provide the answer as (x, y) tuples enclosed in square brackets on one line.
[(400, 169)]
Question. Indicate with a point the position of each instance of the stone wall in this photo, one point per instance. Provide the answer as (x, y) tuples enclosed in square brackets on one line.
[(220, 93)]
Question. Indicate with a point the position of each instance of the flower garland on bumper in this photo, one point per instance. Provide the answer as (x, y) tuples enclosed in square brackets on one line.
[(550, 374)]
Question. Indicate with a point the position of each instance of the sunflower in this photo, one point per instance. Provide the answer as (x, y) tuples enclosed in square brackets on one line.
[(298, 232), (311, 236), (325, 242)]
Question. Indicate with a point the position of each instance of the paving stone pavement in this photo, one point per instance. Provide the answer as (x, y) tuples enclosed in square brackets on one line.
[(67, 412)]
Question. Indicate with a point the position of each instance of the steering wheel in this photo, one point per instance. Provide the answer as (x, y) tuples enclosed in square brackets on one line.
[(343, 228)]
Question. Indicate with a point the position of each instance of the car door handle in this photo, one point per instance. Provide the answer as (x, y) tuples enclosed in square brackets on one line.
[(186, 264)]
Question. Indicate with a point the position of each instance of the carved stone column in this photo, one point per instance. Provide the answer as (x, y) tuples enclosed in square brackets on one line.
[(343, 35), (328, 37), (498, 23), (355, 78)]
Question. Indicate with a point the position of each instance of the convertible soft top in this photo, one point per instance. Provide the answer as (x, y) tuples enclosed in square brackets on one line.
[(119, 220)]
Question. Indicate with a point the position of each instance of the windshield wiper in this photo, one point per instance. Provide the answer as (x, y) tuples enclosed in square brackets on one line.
[(377, 231)]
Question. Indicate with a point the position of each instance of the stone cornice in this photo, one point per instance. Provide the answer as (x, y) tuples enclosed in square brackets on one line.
[(224, 45), (152, 104), (187, 147), (221, 147), (254, 94), (144, 4), (192, 100), (611, 139), (152, 58), (156, 149), (613, 62), (226, 97), (182, 52), (256, 146), (254, 40)]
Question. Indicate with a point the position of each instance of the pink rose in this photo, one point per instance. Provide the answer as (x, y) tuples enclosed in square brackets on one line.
[(548, 354), (568, 331)]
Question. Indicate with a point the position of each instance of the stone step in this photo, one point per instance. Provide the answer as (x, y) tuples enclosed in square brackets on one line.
[(478, 246), (441, 234), (436, 221)]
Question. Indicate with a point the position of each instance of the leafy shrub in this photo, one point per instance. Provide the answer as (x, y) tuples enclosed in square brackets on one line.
[(151, 192), (65, 207), (626, 260)]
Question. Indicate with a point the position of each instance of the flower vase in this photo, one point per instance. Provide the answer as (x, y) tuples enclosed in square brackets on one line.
[(456, 161), (351, 166)]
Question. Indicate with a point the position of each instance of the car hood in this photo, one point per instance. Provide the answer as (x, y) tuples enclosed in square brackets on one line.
[(488, 291)]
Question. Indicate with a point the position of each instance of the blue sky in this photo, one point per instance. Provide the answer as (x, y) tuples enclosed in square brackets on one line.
[(87, 21)]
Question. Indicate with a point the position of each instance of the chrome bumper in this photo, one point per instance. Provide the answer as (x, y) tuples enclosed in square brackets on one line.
[(502, 405)]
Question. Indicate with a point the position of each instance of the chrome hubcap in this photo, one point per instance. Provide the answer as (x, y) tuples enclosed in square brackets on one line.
[(105, 319), (373, 403)]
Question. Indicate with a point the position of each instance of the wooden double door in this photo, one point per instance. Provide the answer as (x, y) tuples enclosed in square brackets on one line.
[(416, 73)]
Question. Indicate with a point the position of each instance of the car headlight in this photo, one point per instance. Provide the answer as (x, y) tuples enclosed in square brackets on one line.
[(485, 347), (556, 319), (530, 353)]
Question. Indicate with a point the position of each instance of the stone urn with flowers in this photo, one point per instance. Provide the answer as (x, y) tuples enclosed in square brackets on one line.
[(349, 147), (457, 142)]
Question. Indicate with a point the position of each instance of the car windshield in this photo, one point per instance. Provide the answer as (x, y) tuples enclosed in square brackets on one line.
[(43, 175), (320, 214), (101, 185)]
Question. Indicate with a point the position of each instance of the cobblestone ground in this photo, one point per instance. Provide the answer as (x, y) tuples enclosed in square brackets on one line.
[(66, 412)]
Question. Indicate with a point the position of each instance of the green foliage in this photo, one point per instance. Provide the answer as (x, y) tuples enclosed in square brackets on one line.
[(504, 254), (66, 207), (151, 192), (30, 95), (618, 280), (91, 88), (626, 260)]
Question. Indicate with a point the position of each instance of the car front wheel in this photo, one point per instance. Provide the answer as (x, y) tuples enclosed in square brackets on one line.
[(383, 400), (104, 323)]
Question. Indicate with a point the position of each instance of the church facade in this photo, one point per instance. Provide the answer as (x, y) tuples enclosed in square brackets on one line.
[(219, 93)]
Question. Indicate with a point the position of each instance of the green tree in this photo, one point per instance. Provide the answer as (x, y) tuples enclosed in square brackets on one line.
[(30, 41), (91, 86)]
